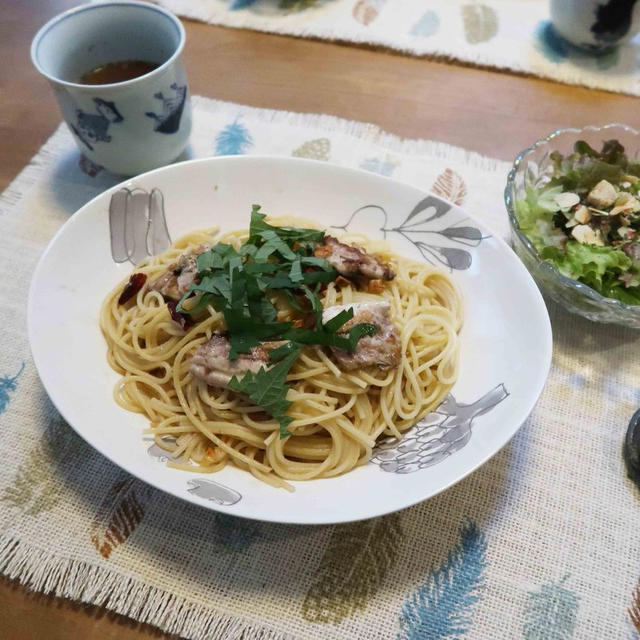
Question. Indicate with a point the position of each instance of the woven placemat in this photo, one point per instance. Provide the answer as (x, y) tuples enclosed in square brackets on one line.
[(540, 543), (506, 34)]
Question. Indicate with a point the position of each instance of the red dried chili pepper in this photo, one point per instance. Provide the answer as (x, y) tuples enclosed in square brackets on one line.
[(183, 319), (136, 282)]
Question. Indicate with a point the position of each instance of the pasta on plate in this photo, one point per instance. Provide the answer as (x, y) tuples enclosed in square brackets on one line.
[(281, 349)]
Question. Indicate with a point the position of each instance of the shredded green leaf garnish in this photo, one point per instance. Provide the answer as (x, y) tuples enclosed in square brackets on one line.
[(237, 283), (268, 389)]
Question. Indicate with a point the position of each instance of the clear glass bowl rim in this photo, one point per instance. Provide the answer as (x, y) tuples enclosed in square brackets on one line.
[(510, 199)]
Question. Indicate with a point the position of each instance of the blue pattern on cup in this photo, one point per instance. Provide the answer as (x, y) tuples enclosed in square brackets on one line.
[(93, 127), (169, 120)]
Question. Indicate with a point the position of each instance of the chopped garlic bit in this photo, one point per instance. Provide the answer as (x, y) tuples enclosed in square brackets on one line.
[(567, 200), (584, 234), (629, 178), (603, 195)]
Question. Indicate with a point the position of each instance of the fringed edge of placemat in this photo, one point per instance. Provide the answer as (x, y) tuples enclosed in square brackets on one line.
[(81, 581)]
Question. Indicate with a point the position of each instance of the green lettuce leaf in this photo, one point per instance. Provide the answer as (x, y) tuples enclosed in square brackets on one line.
[(581, 170), (535, 217), (598, 267)]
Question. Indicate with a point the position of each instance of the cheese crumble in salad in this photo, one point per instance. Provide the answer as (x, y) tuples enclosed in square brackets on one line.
[(585, 219)]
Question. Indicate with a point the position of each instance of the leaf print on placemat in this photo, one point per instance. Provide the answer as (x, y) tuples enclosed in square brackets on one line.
[(241, 4), (233, 140), (634, 609), (442, 608), (317, 149), (366, 11), (119, 514), (385, 167), (450, 186), (480, 23), (428, 25), (235, 534), (231, 534), (296, 5), (8, 384), (35, 487), (550, 613), (357, 559)]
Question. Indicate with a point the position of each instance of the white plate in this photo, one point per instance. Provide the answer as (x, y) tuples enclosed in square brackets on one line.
[(505, 350)]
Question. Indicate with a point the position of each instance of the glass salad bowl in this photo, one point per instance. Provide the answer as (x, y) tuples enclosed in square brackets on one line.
[(533, 168)]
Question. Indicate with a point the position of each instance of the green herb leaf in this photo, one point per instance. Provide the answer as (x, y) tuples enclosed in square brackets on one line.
[(338, 320), (217, 285), (267, 389), (360, 331), (295, 275), (209, 260), (290, 234), (316, 304), (326, 334), (272, 244), (283, 350), (246, 332), (322, 277)]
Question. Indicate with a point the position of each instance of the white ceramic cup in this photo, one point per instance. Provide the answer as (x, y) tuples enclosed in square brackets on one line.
[(595, 25), (127, 127)]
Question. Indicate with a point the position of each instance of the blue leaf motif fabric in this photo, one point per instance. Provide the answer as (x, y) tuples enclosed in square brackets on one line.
[(235, 534), (378, 165), (241, 4), (233, 140), (428, 25), (442, 608), (8, 384), (551, 612)]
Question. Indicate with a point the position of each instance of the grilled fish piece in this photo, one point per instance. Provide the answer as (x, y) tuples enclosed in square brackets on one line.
[(350, 261), (175, 282), (382, 349), (211, 363)]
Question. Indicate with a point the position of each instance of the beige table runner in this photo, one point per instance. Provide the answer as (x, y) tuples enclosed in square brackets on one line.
[(506, 34), (540, 543)]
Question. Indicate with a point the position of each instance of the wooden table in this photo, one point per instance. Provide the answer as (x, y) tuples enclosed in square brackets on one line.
[(493, 113)]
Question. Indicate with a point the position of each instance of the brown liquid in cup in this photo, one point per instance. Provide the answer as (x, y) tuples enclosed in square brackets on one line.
[(113, 72)]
